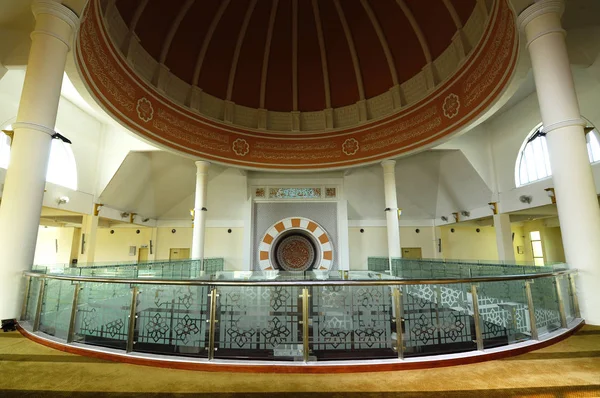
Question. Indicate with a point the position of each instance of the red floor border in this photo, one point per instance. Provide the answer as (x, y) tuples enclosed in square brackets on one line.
[(214, 367)]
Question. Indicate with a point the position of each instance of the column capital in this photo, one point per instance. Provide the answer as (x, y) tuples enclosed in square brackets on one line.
[(540, 8), (56, 9), (388, 165), (202, 165)]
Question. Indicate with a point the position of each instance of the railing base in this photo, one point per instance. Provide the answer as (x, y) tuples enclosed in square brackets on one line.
[(204, 365)]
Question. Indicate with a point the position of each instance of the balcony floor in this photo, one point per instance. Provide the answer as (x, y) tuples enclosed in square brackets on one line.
[(568, 368)]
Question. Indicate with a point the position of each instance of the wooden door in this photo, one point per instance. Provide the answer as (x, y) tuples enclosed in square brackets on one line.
[(142, 254), (179, 254), (412, 252)]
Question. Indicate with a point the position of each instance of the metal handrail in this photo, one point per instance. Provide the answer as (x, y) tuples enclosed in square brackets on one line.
[(344, 282)]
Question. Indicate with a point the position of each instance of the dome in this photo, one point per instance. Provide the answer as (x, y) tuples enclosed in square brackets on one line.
[(296, 84)]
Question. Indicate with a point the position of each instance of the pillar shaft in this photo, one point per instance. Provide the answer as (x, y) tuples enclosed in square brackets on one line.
[(87, 242), (200, 210), (506, 252), (391, 205), (577, 201), (25, 178)]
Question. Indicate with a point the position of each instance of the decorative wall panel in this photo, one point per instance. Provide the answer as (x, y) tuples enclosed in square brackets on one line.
[(267, 214)]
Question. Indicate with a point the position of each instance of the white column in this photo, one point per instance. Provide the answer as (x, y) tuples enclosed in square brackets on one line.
[(506, 252), (576, 198), (391, 206), (87, 241), (200, 210), (30, 150)]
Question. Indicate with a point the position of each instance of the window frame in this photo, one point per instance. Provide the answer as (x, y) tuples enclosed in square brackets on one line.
[(526, 143), (52, 170)]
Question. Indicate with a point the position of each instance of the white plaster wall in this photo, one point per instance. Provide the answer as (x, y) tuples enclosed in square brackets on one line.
[(54, 245), (115, 144), (85, 132)]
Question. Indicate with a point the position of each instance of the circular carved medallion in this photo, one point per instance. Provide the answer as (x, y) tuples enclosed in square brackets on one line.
[(295, 253)]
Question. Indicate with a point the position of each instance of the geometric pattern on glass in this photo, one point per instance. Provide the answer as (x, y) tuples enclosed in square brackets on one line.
[(172, 319), (351, 317), (263, 319)]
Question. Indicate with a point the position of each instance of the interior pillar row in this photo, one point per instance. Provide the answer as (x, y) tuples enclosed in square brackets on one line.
[(576, 196)]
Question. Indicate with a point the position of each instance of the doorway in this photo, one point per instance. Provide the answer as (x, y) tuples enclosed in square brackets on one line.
[(142, 254), (412, 253), (179, 254)]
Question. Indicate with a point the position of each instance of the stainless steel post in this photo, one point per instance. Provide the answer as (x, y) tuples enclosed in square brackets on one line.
[(305, 330), (26, 298), (212, 323), (397, 295), (574, 295), (40, 303), (132, 317), (71, 334), (476, 318), (561, 303), (531, 308)]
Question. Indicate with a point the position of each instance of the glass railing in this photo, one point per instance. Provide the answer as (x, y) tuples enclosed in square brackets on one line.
[(308, 316), (165, 269), (434, 268)]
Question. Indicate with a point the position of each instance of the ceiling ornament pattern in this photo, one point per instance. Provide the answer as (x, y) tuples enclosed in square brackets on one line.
[(147, 112)]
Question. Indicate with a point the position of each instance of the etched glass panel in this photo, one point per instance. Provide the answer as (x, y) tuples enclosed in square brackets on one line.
[(437, 319), (259, 322), (545, 302), (503, 313), (172, 320), (103, 314), (56, 308), (32, 300), (351, 322), (567, 298)]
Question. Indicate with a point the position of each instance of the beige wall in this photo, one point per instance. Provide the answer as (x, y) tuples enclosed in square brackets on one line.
[(465, 243), (551, 241), (373, 243), (115, 247), (218, 243), (519, 240)]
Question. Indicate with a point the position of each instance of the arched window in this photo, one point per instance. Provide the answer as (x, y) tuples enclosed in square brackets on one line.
[(533, 162), (62, 169)]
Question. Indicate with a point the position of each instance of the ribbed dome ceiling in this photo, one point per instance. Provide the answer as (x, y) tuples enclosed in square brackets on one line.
[(295, 55), (296, 84)]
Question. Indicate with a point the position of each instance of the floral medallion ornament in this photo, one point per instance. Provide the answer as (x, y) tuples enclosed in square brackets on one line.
[(350, 146), (451, 106), (144, 109), (240, 147)]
